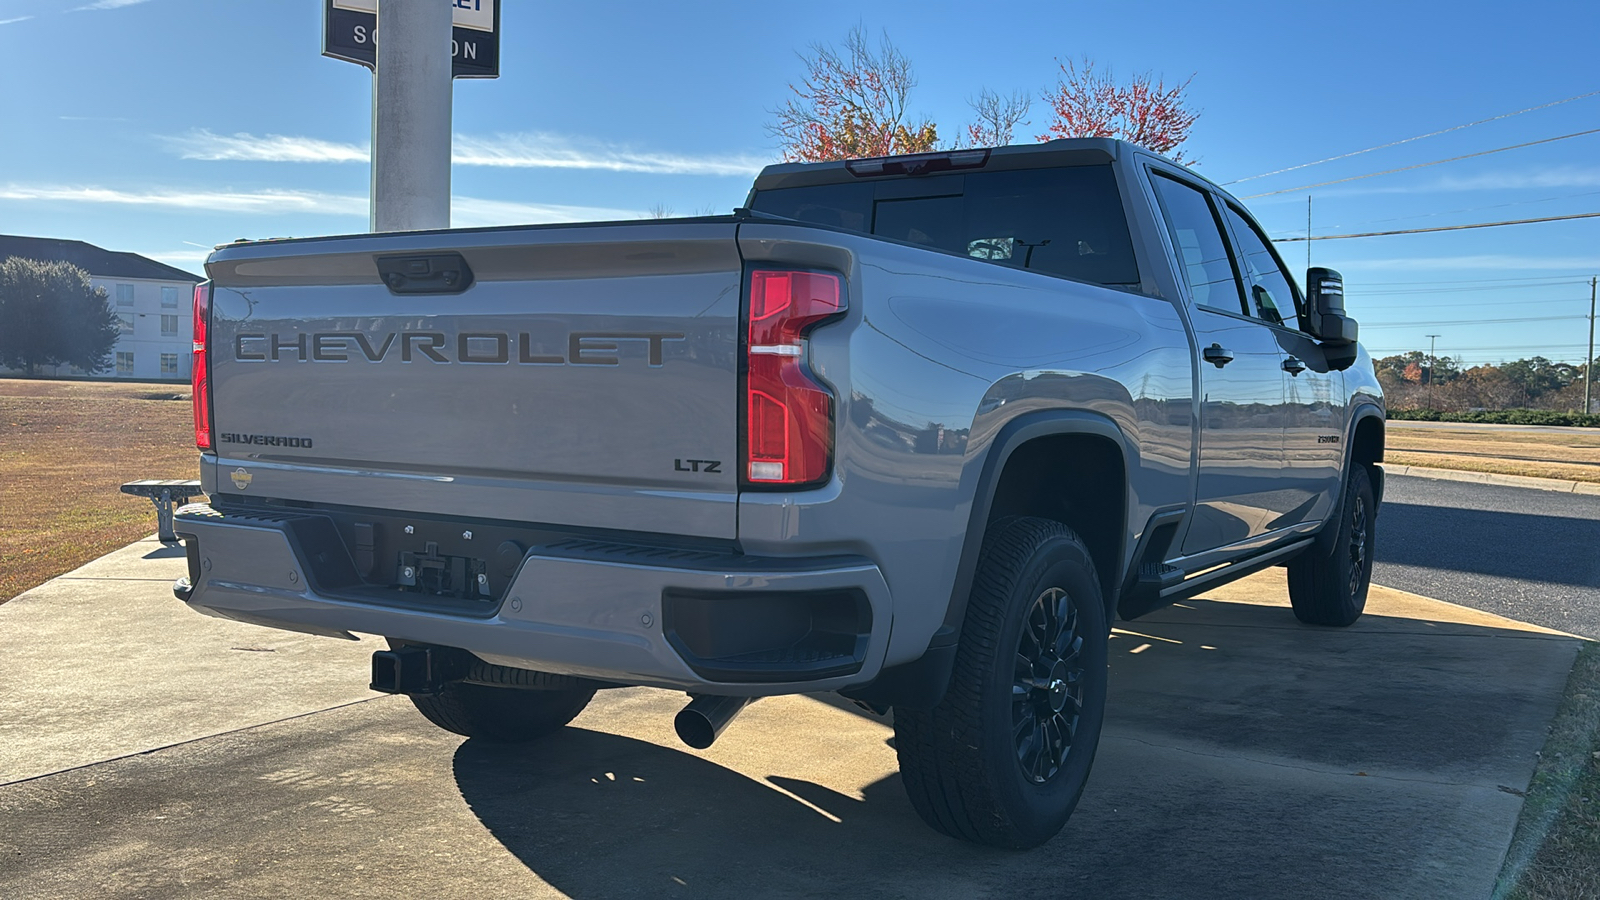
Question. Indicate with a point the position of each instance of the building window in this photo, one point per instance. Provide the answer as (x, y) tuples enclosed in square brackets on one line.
[(124, 295), (169, 363), (169, 297), (124, 362), (127, 322), (169, 324)]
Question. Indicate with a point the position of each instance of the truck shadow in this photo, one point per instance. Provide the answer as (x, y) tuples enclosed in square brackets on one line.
[(1236, 739), (1553, 549)]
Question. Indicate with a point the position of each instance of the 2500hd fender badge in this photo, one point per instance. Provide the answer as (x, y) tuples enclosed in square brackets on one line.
[(583, 348)]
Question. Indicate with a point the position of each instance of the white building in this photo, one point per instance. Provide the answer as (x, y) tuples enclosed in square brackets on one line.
[(153, 300)]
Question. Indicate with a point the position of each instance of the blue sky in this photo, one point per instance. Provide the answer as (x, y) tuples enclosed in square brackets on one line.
[(167, 126)]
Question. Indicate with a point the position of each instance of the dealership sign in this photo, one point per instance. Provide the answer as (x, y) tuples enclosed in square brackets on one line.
[(350, 33)]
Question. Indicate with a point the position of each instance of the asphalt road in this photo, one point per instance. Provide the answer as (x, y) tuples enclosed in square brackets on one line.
[(1526, 554)]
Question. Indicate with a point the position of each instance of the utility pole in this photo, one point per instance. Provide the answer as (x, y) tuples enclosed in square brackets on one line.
[(1308, 232), (411, 116), (1432, 361), (1588, 363)]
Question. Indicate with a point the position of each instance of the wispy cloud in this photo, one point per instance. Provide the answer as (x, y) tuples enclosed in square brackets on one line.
[(474, 212), (108, 4), (203, 144), (1557, 177), (466, 212), (510, 151), (547, 151), (1504, 180), (14, 21), (274, 202)]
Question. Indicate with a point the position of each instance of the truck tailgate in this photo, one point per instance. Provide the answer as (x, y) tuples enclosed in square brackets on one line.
[(588, 376)]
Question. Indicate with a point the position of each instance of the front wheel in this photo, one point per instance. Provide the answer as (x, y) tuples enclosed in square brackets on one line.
[(1328, 582), (1003, 759)]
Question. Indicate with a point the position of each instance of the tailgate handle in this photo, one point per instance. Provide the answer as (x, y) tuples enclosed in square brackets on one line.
[(438, 273)]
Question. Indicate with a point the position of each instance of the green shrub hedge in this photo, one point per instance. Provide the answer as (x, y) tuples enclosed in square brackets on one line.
[(1501, 417)]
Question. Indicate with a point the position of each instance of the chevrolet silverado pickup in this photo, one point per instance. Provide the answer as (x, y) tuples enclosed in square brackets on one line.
[(913, 430)]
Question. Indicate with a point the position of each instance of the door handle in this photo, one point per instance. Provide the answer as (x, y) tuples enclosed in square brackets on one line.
[(1293, 366), (1217, 355)]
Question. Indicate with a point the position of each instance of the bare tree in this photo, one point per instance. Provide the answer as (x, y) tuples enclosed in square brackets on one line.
[(1144, 110), (998, 118), (851, 104)]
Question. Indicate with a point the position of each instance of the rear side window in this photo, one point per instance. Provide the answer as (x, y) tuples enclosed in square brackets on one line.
[(1203, 257), (1066, 221)]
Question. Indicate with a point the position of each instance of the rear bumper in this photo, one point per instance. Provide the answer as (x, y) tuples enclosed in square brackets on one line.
[(700, 621)]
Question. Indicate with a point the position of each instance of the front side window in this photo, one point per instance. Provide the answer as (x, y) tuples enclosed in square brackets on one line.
[(169, 298), (124, 362), (1203, 256), (1272, 294), (124, 295)]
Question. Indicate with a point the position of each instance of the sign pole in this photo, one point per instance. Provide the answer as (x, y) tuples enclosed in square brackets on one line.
[(411, 116)]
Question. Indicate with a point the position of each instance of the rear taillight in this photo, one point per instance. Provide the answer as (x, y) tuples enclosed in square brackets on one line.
[(200, 375), (788, 413)]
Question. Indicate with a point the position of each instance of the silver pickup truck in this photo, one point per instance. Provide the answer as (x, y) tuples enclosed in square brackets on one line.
[(910, 429)]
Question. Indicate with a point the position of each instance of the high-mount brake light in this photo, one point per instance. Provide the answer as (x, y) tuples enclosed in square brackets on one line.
[(917, 163), (200, 374), (788, 413)]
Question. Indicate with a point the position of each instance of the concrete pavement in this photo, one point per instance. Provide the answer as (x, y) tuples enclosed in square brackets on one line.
[(1244, 755)]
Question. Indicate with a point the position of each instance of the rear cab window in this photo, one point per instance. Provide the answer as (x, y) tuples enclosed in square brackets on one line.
[(1065, 221)]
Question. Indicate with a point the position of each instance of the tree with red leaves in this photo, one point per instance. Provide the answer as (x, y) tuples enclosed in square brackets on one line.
[(1144, 111), (852, 104)]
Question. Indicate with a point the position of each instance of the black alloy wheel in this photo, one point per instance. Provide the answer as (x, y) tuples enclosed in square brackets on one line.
[(1047, 697)]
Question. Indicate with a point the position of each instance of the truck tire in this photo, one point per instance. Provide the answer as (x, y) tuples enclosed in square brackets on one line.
[(1328, 582), (1003, 759), (502, 715)]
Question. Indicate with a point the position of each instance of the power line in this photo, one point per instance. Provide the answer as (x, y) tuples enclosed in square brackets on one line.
[(1307, 187), (1463, 289), (1410, 139), (1464, 322), (1569, 280), (1365, 234), (1449, 212)]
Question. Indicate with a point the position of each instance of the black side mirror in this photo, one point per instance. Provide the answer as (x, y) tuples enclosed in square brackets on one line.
[(1325, 308)]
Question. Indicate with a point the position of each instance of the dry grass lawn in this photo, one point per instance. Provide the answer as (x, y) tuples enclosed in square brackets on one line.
[(65, 450), (1571, 457), (1555, 854)]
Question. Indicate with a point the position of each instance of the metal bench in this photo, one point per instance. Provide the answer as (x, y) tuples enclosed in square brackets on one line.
[(166, 495)]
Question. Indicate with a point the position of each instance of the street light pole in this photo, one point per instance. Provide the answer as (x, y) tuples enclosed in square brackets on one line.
[(411, 116), (1432, 361)]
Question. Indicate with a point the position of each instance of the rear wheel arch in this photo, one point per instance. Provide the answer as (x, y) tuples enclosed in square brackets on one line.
[(1069, 466), (1098, 459)]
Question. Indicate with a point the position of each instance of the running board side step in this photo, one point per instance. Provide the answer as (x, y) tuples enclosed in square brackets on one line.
[(1203, 582), (1157, 584)]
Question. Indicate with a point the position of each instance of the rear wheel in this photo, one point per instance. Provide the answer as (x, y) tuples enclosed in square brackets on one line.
[(1328, 582), (1003, 759)]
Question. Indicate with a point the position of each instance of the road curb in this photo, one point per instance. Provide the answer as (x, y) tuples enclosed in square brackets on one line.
[(1523, 481)]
